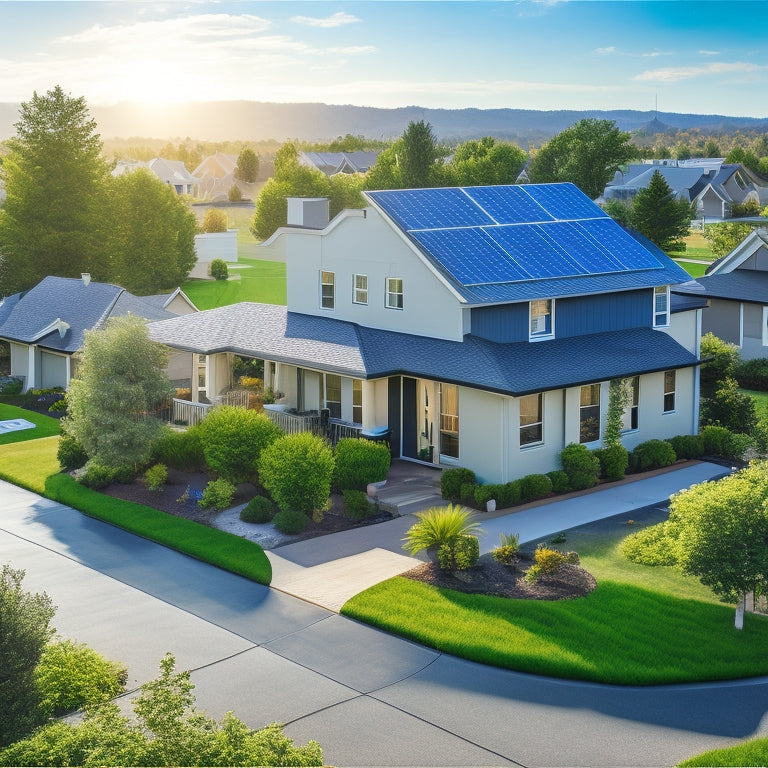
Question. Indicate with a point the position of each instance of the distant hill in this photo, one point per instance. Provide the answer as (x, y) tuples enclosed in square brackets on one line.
[(251, 120)]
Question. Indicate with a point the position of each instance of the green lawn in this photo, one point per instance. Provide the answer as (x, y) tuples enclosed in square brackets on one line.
[(752, 752), (45, 426), (260, 281), (641, 626), (693, 269), (696, 247), (761, 402)]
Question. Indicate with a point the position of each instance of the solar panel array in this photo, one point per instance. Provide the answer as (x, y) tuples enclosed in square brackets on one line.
[(512, 233)]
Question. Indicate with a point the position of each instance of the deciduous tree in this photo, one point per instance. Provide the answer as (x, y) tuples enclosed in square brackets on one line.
[(724, 237), (247, 165), (486, 162)]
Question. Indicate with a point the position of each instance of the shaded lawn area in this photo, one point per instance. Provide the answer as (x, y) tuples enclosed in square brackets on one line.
[(33, 465), (641, 626), (260, 281), (696, 247), (45, 426), (752, 752), (761, 402), (694, 270)]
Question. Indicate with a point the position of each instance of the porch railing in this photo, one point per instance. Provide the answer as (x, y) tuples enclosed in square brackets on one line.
[(186, 412), (312, 421)]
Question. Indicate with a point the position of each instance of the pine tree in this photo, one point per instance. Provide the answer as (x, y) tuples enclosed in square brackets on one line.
[(660, 217)]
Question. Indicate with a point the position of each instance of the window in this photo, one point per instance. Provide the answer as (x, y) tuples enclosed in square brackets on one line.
[(632, 393), (357, 401), (661, 305), (332, 397), (531, 421), (765, 326), (360, 289), (394, 297), (669, 391), (327, 290), (589, 414), (541, 320), (449, 420)]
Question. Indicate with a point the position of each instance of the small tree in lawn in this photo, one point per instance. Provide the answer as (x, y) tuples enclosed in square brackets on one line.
[(721, 532), (660, 216), (247, 165), (215, 220), (120, 385)]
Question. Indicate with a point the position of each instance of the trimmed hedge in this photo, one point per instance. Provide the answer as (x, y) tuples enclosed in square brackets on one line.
[(687, 446), (451, 481), (356, 505), (614, 461), (258, 510), (581, 466), (360, 462), (534, 487), (652, 454)]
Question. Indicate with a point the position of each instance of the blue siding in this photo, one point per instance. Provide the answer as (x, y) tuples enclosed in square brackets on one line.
[(573, 316)]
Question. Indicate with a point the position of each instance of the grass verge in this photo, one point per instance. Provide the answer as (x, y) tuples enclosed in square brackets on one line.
[(260, 281), (33, 465), (752, 752), (620, 634)]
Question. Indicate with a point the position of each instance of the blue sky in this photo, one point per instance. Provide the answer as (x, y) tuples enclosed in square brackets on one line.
[(701, 57)]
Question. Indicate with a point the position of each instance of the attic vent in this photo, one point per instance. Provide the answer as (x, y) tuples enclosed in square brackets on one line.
[(86, 278)]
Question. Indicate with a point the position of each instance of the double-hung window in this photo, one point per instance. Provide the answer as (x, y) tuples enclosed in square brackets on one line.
[(327, 290), (589, 413), (360, 289), (449, 420), (393, 298), (541, 319), (332, 395), (630, 419), (669, 391), (661, 306), (357, 401), (531, 420)]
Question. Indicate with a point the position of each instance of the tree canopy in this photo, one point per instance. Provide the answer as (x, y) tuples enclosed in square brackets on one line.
[(587, 154), (486, 162), (51, 222), (659, 216), (724, 237), (247, 165)]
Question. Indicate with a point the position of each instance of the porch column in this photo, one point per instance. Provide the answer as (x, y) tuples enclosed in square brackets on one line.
[(30, 380), (268, 375), (369, 405), (68, 369), (195, 392)]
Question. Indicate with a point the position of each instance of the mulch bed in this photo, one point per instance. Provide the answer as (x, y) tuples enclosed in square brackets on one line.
[(489, 577)]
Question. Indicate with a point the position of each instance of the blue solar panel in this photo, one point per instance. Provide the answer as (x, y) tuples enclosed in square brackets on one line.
[(582, 248), (565, 201), (470, 256), (508, 204), (539, 255), (430, 208), (620, 244)]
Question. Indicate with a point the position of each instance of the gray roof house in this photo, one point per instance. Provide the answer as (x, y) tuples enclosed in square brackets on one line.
[(475, 326), (736, 290), (331, 163), (46, 325), (171, 172)]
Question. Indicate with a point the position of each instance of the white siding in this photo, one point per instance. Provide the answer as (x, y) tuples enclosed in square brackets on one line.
[(20, 362)]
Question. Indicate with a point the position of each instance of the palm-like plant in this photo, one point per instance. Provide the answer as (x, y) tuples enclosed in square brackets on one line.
[(438, 526)]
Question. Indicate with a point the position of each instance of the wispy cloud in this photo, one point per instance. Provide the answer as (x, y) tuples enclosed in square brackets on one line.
[(675, 74), (336, 20), (709, 53), (607, 50)]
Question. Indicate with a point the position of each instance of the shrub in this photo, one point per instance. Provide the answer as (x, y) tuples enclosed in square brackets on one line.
[(258, 510), (97, 476), (729, 407), (753, 374), (547, 561), (484, 493), (233, 440), (218, 494), (234, 194), (215, 220), (180, 450), (511, 494), (297, 471), (290, 521), (451, 481), (459, 554), (506, 552), (70, 676), (437, 526), (12, 387), (652, 546), (70, 453), (360, 462), (559, 480), (60, 404), (581, 466), (687, 446), (356, 504), (219, 269), (251, 382), (468, 493), (723, 365), (534, 487), (156, 477), (614, 461), (653, 454), (716, 440)]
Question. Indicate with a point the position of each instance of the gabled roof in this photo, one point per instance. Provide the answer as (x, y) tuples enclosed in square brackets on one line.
[(271, 332), (35, 316), (331, 163), (171, 171), (749, 285), (505, 243)]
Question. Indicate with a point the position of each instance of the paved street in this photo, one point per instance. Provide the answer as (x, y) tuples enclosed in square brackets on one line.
[(369, 699)]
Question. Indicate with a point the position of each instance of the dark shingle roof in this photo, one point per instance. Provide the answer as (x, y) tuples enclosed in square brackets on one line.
[(271, 332), (747, 285), (82, 307)]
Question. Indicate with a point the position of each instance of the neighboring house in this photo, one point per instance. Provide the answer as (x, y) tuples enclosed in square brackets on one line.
[(686, 183), (736, 287), (216, 176), (46, 325), (171, 172), (732, 185), (331, 163), (477, 326)]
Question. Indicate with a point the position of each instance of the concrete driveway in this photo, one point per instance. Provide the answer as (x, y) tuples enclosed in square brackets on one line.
[(370, 699)]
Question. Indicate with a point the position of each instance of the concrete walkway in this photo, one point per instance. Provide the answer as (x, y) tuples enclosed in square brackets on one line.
[(329, 570)]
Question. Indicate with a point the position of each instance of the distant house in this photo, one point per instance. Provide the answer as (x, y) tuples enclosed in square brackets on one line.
[(736, 288), (171, 172), (216, 176), (46, 325), (331, 163), (473, 326)]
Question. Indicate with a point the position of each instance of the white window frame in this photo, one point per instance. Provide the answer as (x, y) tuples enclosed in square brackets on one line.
[(632, 411), (390, 294), (327, 300), (670, 392), (449, 423), (660, 316), (540, 423), (359, 294), (535, 333), (582, 408)]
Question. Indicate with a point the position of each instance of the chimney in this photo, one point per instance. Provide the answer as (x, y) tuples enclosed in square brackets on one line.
[(86, 278), (308, 212)]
